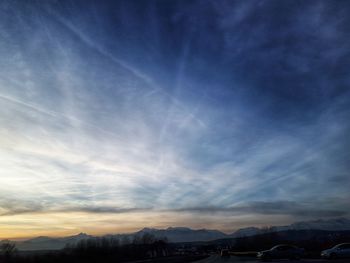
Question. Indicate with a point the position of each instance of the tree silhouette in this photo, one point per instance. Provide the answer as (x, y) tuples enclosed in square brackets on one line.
[(8, 248)]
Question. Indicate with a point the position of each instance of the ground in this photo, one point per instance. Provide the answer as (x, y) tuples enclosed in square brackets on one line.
[(219, 259)]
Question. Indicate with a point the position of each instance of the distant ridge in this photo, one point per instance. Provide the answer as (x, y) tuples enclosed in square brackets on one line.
[(185, 234), (182, 234), (50, 243), (320, 224)]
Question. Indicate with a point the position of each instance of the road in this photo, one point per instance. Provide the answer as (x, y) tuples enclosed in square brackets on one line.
[(219, 259)]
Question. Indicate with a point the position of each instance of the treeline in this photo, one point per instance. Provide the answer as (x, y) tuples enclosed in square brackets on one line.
[(104, 249)]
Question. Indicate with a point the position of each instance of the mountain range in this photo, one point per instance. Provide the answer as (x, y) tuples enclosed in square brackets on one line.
[(184, 234)]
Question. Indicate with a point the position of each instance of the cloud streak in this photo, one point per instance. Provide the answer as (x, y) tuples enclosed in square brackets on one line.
[(289, 208), (237, 109)]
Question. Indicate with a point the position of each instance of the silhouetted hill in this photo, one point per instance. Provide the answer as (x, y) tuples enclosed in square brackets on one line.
[(184, 234), (49, 243)]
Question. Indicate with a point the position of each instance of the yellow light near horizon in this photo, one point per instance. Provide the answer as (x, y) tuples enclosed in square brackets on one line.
[(58, 224), (70, 223)]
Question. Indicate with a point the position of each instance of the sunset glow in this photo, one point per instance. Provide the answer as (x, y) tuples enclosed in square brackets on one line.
[(208, 114)]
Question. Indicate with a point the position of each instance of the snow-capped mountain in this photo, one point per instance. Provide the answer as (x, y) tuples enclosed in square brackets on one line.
[(331, 224), (245, 232), (321, 224), (184, 234)]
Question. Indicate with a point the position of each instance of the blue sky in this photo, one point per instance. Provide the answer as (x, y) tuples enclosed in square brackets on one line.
[(125, 114)]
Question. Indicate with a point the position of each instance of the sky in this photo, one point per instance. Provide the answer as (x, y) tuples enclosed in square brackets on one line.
[(119, 115)]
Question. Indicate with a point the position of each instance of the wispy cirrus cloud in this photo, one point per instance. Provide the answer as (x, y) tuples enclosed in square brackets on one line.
[(9, 207), (227, 107), (288, 208)]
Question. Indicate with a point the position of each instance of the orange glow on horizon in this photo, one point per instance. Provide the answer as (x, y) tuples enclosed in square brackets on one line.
[(60, 224)]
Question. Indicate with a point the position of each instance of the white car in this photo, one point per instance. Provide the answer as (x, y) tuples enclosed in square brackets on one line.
[(339, 251), (281, 252)]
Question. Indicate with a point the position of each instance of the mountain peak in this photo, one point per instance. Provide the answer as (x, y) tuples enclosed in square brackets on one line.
[(148, 229), (179, 228), (247, 231)]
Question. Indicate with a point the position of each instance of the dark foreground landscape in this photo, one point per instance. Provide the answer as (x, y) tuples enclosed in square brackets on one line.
[(218, 259), (149, 248)]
